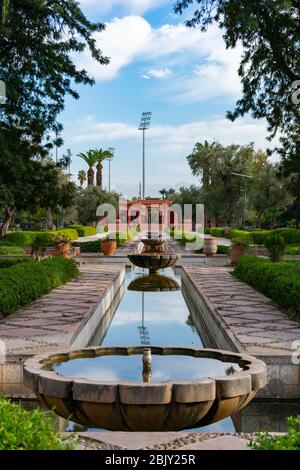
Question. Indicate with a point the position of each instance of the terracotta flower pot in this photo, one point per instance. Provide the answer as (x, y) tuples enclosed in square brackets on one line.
[(108, 247), (63, 249), (237, 250), (210, 246)]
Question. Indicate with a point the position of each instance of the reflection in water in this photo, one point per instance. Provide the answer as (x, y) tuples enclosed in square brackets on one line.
[(154, 283), (130, 368), (160, 316)]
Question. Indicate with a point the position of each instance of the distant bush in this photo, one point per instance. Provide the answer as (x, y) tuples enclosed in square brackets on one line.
[(258, 237), (11, 250), (279, 281), (223, 250), (291, 236), (83, 230), (275, 244), (25, 282), (29, 430), (218, 232), (286, 441), (292, 250), (28, 238), (240, 234), (89, 247)]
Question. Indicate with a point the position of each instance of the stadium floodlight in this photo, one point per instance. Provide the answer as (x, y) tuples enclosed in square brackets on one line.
[(144, 126)]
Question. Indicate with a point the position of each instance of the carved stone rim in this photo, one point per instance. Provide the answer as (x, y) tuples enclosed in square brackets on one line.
[(45, 382)]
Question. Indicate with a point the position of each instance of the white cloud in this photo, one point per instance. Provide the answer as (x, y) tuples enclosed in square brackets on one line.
[(204, 68), (175, 139), (158, 73)]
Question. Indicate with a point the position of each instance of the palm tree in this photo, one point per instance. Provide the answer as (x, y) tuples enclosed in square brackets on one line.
[(101, 156), (91, 158), (81, 177), (163, 192)]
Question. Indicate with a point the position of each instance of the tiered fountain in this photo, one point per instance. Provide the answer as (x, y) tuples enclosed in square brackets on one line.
[(153, 256)]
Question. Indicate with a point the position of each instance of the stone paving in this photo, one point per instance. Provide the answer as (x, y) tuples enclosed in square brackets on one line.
[(257, 324), (52, 321), (163, 441)]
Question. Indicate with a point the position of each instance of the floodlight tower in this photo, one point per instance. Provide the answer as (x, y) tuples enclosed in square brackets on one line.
[(144, 126), (112, 152)]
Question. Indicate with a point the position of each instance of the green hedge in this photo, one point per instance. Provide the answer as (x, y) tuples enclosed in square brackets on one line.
[(89, 247), (279, 281), (27, 238), (29, 430), (259, 237), (25, 282), (7, 262), (83, 231), (291, 236), (292, 250), (217, 232), (11, 250)]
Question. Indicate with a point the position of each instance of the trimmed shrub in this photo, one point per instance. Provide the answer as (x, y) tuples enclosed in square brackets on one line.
[(25, 282), (7, 262), (279, 281), (11, 250), (29, 430), (238, 234), (292, 250), (28, 238), (88, 247), (217, 232), (287, 441), (275, 244), (223, 250), (259, 236), (291, 236), (83, 231)]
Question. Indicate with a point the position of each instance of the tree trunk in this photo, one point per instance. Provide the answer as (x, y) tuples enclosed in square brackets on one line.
[(49, 219), (7, 218), (90, 176), (99, 174)]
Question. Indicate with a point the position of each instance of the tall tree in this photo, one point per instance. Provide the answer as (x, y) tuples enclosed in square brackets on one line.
[(81, 177), (101, 156), (91, 159), (270, 66), (38, 42)]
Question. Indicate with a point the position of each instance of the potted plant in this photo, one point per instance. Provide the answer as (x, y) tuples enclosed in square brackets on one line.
[(239, 247), (108, 246), (210, 246), (62, 245)]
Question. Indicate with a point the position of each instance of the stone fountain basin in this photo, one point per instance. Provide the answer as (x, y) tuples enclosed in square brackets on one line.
[(152, 242), (154, 283), (153, 262), (137, 406)]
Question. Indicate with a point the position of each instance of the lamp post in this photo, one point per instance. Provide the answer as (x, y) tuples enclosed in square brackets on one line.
[(245, 190), (112, 151), (145, 124)]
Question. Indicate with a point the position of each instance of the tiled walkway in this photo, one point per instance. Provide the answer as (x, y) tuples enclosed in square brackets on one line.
[(52, 321), (257, 324)]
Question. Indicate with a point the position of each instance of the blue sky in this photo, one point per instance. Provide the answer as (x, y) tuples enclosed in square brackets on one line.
[(185, 77)]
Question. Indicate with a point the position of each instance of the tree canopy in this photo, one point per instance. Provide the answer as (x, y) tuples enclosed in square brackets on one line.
[(269, 31)]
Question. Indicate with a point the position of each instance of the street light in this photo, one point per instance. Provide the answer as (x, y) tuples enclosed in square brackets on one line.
[(245, 189), (112, 152), (145, 124)]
